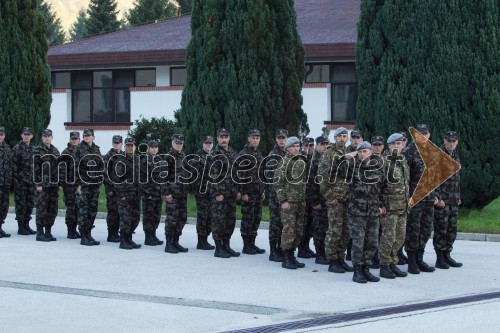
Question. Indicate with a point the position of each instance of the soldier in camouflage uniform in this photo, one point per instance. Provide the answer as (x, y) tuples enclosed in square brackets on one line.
[(46, 178), (5, 180), (334, 188), (377, 143), (110, 179), (446, 210), (275, 225), (88, 162), (202, 194), (127, 193), (69, 187), (176, 193), (290, 189), (366, 204), (224, 194), (251, 187), (393, 223), (152, 188), (22, 178), (421, 217)]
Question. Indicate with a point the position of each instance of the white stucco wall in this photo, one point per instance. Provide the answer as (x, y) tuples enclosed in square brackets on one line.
[(154, 103), (316, 106)]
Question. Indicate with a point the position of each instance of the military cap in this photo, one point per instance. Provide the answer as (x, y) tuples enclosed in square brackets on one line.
[(282, 133), (308, 141), (340, 130), (395, 137), (364, 145), (178, 138), (356, 134), (451, 135), (88, 131), (254, 132), (291, 141), (129, 141), (47, 132), (153, 143), (208, 139), (223, 132), (377, 140), (117, 139), (321, 139), (27, 130), (423, 128), (2, 129), (74, 135)]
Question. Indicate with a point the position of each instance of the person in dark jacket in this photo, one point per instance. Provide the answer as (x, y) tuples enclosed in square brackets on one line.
[(5, 180), (110, 180), (69, 187)]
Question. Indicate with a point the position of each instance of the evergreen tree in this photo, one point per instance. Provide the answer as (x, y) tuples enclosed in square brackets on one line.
[(159, 129), (435, 62), (78, 28), (102, 17), (148, 11), (185, 6), (55, 32), (25, 93)]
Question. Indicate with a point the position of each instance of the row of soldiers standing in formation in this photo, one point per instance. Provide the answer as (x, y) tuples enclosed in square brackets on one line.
[(323, 206)]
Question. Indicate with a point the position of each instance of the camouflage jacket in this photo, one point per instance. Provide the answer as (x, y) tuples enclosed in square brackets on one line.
[(110, 174), (178, 175), (67, 168), (313, 192), (127, 166), (21, 164), (367, 188), (333, 169), (201, 164), (417, 168), (397, 172), (449, 191), (89, 165), (273, 159), (220, 173), (45, 166), (249, 172), (290, 180), (5, 165), (153, 176)]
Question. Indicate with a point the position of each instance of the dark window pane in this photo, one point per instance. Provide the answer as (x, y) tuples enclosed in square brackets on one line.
[(344, 73), (103, 79), (81, 80), (145, 78), (61, 80), (103, 106), (178, 77), (122, 105), (344, 102), (124, 79), (81, 106), (317, 73)]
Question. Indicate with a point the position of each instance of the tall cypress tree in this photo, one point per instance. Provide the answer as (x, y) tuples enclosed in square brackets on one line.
[(185, 6), (25, 93), (55, 31), (148, 11), (78, 28), (102, 17)]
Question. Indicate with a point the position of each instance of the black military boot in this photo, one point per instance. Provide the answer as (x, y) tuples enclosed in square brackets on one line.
[(179, 246), (358, 276), (257, 249), (28, 228), (422, 265), (369, 276), (395, 269), (22, 229), (72, 233), (3, 233), (335, 267), (203, 243), (412, 263), (345, 266), (375, 261), (227, 247), (220, 251), (403, 260), (85, 240), (274, 255), (40, 235), (303, 249), (348, 256), (170, 246), (386, 272), (48, 234), (247, 246), (124, 243), (450, 261), (320, 254), (287, 260), (158, 241), (134, 244), (440, 262), (113, 236), (149, 238), (294, 260), (89, 233)]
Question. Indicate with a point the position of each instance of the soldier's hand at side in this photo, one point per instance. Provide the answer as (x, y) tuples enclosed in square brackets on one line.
[(441, 204), (220, 197), (459, 202), (436, 201), (110, 193), (169, 198), (79, 190), (124, 198), (334, 202), (238, 196), (39, 188), (381, 210), (317, 207), (245, 197), (285, 206), (60, 188), (263, 197), (384, 211)]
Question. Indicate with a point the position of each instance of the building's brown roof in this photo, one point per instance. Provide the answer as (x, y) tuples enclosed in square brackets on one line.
[(328, 29)]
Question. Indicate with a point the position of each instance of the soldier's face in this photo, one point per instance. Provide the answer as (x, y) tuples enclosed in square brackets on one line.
[(309, 148), (207, 146), (46, 139), (88, 138), (356, 140), (451, 145), (129, 148), (2, 137), (117, 146), (396, 147), (364, 155), (26, 136), (321, 148), (177, 145), (254, 141), (341, 140), (223, 141), (280, 141), (74, 141), (294, 149), (377, 149), (153, 150)]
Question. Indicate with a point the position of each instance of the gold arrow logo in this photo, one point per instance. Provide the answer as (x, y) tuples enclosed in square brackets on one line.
[(439, 166)]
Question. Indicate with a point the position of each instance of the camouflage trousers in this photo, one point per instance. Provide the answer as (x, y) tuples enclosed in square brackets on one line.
[(4, 203), (364, 233), (275, 225), (151, 213), (320, 222), (203, 215), (308, 221), (46, 206), (445, 227), (24, 197), (223, 218), (176, 216), (419, 226), (130, 212), (69, 197), (337, 235), (392, 237), (251, 212), (113, 216), (87, 202), (293, 226)]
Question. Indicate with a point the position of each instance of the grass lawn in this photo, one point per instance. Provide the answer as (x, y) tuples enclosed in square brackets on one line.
[(486, 220)]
